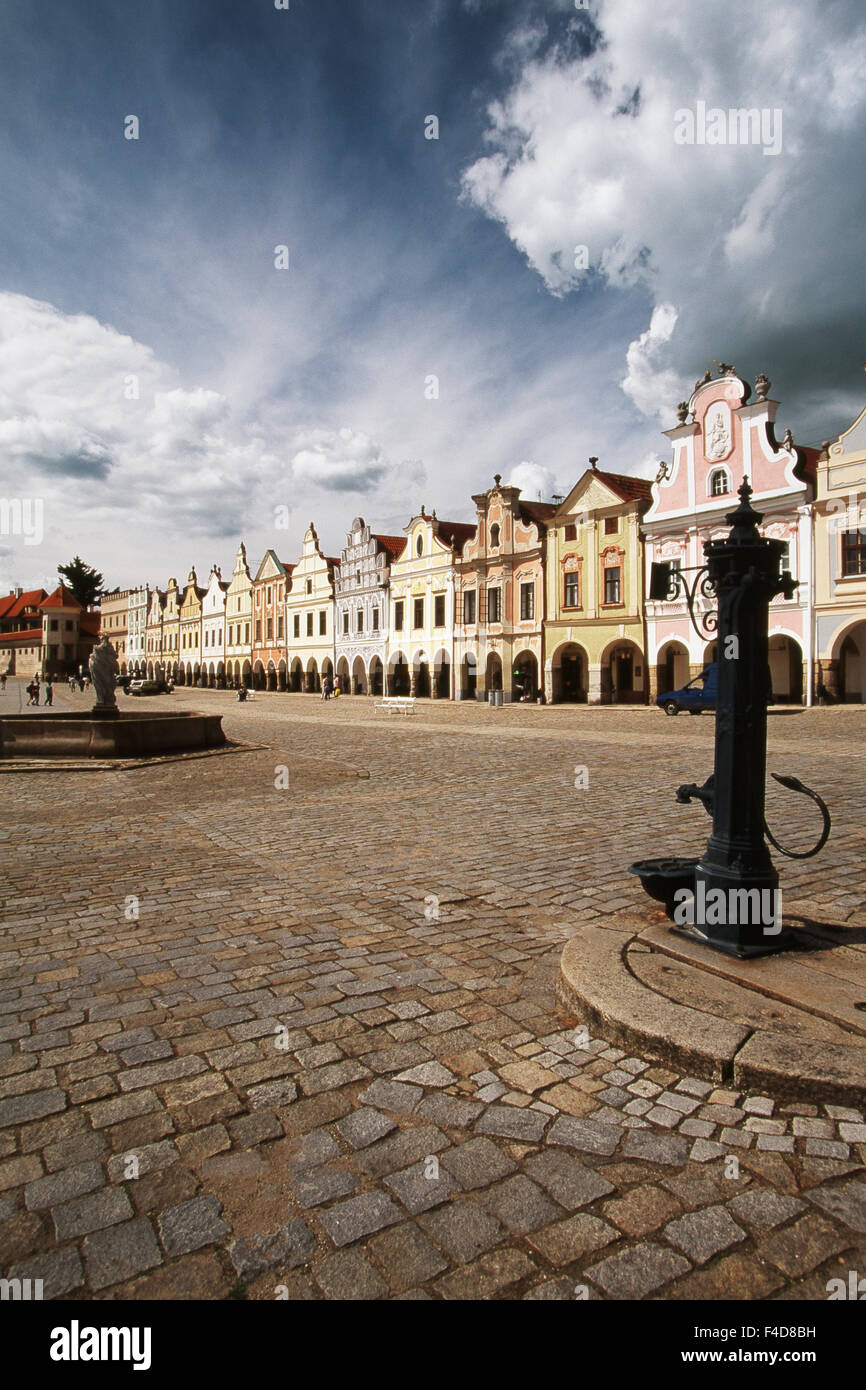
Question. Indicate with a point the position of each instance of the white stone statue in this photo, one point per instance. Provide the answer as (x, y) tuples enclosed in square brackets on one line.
[(103, 672)]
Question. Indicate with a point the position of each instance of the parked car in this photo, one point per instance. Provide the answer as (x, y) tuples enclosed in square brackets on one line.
[(698, 695), (143, 687), (123, 683)]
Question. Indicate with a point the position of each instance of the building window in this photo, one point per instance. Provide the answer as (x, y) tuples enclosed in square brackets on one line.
[(494, 536), (853, 552), (612, 584), (527, 602), (309, 586), (53, 624), (419, 546), (398, 616), (718, 483), (611, 525), (309, 624), (358, 577), (571, 532), (572, 590), (247, 633), (439, 610), (375, 620), (323, 622), (258, 631), (346, 623), (469, 607), (418, 613), (359, 620), (270, 629), (296, 625), (494, 605), (279, 629), (269, 595)]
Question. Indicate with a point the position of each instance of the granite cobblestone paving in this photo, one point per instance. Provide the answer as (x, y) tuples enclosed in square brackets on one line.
[(329, 1046)]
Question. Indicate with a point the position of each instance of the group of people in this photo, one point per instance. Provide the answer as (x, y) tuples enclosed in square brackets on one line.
[(79, 682), (34, 688), (330, 687)]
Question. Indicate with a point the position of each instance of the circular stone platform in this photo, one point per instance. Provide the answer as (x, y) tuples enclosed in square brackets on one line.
[(120, 735), (793, 1025)]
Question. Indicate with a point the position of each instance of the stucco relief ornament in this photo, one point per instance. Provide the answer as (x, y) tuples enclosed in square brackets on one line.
[(718, 438), (103, 673)]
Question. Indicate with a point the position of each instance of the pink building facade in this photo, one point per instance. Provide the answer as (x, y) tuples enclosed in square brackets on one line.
[(722, 437)]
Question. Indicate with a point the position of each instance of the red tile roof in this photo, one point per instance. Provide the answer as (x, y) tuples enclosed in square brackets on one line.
[(61, 598), (538, 511), (392, 545), (89, 622), (33, 634), (31, 599), (458, 532), (626, 486)]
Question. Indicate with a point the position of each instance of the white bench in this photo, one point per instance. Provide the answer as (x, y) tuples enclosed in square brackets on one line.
[(397, 704)]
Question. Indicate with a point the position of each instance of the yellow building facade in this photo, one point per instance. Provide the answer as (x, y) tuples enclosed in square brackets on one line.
[(594, 637)]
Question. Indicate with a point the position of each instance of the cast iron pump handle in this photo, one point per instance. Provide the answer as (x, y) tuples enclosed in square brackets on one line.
[(705, 794), (795, 785)]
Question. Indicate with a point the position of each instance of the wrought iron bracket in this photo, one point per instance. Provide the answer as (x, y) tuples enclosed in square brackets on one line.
[(668, 584)]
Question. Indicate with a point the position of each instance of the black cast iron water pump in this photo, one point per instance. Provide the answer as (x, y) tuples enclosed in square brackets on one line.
[(735, 873)]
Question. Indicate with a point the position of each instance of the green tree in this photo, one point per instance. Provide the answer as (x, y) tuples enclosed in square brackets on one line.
[(85, 582)]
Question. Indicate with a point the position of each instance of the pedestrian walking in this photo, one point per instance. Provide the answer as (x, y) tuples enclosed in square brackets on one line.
[(326, 689), (49, 693), (3, 682)]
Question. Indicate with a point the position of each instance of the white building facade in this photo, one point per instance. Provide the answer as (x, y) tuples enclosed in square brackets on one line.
[(361, 599)]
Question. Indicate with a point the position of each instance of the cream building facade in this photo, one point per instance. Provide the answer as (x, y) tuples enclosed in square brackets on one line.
[(171, 631), (136, 647), (213, 630), (156, 665), (421, 642), (239, 621), (840, 567), (309, 609), (114, 615), (190, 630)]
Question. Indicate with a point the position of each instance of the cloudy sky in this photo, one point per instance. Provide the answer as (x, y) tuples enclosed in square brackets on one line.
[(169, 385)]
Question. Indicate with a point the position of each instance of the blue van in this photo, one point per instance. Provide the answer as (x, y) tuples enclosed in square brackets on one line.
[(699, 694)]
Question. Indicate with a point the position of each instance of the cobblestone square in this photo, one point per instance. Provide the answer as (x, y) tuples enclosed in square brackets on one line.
[(255, 1036)]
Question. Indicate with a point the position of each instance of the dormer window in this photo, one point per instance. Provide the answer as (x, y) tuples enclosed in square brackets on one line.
[(494, 536), (719, 482)]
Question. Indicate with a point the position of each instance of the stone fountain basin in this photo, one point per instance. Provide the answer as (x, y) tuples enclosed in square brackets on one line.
[(115, 735)]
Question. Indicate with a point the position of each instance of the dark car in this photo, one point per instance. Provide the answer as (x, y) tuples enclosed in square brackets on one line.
[(698, 695), (124, 682), (142, 687)]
